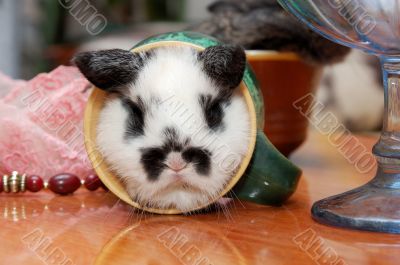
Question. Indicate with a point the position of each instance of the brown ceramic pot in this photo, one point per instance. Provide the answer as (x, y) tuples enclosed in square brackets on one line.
[(284, 78)]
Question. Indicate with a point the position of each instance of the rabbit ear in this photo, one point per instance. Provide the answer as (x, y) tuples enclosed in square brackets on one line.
[(225, 64), (110, 70)]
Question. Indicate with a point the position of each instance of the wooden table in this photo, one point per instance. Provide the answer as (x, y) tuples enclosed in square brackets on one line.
[(89, 227)]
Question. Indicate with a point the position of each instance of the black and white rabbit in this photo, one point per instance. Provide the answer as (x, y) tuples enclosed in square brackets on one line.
[(177, 127)]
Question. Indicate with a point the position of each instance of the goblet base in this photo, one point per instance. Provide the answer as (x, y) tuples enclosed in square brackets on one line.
[(374, 206)]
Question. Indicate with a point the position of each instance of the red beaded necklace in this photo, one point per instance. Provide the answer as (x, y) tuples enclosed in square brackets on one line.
[(63, 184)]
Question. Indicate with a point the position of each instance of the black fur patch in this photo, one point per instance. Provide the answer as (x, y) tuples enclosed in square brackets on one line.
[(110, 70), (135, 120), (200, 158), (212, 110), (225, 64), (153, 158), (153, 162)]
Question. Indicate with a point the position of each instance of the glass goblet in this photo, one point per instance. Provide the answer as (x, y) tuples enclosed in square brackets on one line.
[(374, 27)]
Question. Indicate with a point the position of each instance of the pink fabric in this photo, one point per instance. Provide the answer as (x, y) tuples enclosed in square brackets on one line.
[(41, 124)]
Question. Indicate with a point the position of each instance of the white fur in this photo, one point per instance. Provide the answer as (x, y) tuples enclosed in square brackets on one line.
[(356, 92), (170, 84)]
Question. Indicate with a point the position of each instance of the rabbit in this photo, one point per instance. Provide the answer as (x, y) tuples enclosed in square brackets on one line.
[(175, 127)]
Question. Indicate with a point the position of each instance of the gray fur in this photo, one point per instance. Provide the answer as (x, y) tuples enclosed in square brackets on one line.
[(263, 24), (112, 69), (225, 64)]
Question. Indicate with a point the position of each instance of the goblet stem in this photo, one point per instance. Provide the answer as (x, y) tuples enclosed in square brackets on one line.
[(373, 27), (387, 150), (375, 205)]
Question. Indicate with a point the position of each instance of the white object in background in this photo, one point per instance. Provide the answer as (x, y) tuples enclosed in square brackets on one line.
[(9, 48), (353, 92), (196, 10)]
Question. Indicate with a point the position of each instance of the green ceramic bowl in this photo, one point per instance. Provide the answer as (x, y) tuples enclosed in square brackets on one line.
[(265, 175)]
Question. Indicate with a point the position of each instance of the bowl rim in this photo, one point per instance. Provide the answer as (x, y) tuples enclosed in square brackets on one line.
[(105, 251), (92, 110), (259, 55)]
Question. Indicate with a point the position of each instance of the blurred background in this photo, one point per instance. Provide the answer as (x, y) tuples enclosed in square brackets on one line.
[(39, 35)]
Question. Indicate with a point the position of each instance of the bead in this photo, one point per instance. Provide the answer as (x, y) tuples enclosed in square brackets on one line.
[(22, 183), (14, 182), (64, 183), (92, 182), (34, 183), (6, 188)]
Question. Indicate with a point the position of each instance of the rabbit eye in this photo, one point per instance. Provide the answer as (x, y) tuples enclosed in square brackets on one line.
[(213, 112), (135, 120)]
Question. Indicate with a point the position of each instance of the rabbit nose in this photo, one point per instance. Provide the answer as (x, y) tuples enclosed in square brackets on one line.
[(175, 162)]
